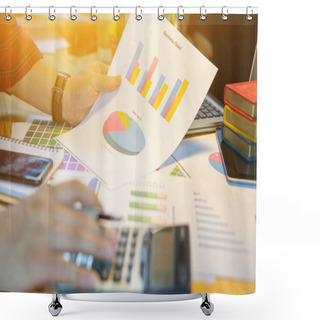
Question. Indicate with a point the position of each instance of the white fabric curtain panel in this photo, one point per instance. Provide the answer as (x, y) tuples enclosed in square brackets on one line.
[(128, 152)]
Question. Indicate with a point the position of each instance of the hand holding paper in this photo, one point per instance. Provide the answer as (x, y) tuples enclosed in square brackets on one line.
[(142, 124)]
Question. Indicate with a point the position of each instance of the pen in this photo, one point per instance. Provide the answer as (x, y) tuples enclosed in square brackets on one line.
[(97, 214)]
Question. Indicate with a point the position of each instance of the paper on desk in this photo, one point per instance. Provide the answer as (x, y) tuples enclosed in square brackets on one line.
[(158, 200), (224, 214), (63, 174), (132, 132)]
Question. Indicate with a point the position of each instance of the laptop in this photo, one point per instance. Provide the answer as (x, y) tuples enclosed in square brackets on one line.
[(229, 38)]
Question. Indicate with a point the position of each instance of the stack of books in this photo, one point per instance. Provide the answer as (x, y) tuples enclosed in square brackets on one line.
[(239, 129)]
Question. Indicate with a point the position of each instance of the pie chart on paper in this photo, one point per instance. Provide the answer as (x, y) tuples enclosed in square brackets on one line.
[(123, 133), (215, 160)]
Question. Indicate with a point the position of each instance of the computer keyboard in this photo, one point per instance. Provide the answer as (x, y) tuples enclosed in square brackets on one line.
[(208, 118), (208, 110)]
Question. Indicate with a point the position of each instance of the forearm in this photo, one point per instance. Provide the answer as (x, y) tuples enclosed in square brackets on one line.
[(36, 86)]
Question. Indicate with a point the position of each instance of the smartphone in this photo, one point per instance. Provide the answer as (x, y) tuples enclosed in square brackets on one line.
[(23, 168)]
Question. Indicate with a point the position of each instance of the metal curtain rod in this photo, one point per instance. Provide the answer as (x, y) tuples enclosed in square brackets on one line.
[(141, 10)]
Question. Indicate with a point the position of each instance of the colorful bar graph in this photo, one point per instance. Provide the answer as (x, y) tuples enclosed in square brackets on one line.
[(160, 97), (147, 206), (174, 99), (148, 76), (157, 89), (147, 194), (169, 107), (135, 66), (161, 88), (174, 92), (134, 60), (173, 108), (142, 80), (146, 88), (155, 98), (134, 76)]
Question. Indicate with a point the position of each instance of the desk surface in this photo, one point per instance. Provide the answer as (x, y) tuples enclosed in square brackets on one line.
[(23, 110)]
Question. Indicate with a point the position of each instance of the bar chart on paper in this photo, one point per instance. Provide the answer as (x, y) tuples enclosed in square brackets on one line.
[(157, 94), (148, 205)]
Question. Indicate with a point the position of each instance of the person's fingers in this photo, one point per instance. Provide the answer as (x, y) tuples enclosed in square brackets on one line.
[(59, 271), (73, 218), (78, 239), (70, 192), (99, 67), (103, 83)]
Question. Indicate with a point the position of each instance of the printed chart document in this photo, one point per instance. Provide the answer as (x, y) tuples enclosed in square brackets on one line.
[(224, 214), (131, 132), (157, 200)]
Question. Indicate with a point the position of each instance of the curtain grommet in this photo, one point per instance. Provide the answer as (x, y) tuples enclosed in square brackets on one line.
[(93, 17), (160, 16), (203, 13), (224, 13), (73, 16), (52, 16), (138, 16), (28, 16), (249, 16), (116, 17), (7, 16), (180, 13)]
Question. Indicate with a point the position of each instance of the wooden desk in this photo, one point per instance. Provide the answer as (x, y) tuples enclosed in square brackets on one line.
[(223, 285)]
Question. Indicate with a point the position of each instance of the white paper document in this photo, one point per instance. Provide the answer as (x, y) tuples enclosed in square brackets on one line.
[(225, 215), (131, 132)]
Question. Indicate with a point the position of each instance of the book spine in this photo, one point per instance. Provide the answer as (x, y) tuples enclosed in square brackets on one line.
[(237, 130), (247, 116), (253, 158), (229, 88)]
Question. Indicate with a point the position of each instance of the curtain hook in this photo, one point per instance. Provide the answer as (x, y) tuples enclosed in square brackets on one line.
[(52, 16), (73, 16), (203, 13), (180, 15), (93, 16), (160, 16), (138, 16), (224, 13), (28, 16), (248, 15), (7, 16), (116, 17)]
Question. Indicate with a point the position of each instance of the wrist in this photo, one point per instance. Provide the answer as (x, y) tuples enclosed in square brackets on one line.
[(66, 102), (58, 93)]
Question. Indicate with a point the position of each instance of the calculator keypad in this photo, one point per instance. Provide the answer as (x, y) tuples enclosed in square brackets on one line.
[(120, 270)]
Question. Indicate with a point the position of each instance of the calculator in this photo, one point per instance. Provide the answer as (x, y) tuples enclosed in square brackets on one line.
[(147, 260)]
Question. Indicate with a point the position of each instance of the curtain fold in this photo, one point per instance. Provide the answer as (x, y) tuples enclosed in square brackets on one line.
[(130, 165)]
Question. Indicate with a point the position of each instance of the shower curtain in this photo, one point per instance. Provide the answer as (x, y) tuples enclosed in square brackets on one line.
[(152, 183)]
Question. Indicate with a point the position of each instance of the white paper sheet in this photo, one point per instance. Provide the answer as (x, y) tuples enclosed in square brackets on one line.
[(118, 154), (224, 214)]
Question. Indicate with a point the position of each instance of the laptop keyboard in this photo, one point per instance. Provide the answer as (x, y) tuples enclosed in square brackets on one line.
[(208, 110)]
